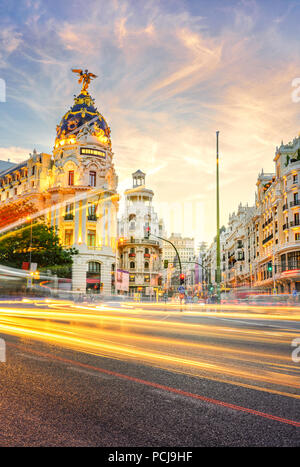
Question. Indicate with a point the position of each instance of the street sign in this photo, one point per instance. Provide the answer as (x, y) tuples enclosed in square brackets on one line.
[(181, 289)]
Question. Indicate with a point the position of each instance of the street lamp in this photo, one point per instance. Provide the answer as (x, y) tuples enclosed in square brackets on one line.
[(218, 225), (30, 246)]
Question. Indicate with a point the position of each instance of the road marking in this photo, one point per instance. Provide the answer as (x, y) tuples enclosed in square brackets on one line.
[(255, 324), (32, 357), (87, 372), (165, 388)]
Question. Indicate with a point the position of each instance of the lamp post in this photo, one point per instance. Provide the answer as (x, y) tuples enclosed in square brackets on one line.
[(30, 245), (218, 224), (29, 282)]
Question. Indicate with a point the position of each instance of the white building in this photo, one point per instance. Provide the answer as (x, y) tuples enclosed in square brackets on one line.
[(140, 256)]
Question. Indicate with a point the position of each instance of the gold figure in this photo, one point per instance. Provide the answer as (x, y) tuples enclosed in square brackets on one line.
[(85, 78)]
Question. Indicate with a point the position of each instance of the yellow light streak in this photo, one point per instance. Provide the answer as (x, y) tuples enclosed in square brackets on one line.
[(165, 343)]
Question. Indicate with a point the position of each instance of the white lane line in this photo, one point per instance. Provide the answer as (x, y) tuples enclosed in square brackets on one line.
[(33, 357), (165, 317), (90, 373), (256, 324)]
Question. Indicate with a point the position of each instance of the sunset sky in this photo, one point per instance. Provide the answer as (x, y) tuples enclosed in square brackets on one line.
[(170, 73)]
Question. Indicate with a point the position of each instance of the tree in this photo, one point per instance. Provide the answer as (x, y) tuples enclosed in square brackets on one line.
[(46, 249)]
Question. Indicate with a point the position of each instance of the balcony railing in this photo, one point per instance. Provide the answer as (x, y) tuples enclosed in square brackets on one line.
[(295, 203), (91, 217), (267, 222), (294, 223), (69, 217), (266, 240), (140, 240)]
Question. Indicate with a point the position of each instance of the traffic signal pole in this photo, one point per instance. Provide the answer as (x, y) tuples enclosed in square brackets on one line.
[(165, 240)]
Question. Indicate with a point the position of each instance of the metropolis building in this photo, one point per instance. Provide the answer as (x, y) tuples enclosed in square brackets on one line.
[(74, 188)]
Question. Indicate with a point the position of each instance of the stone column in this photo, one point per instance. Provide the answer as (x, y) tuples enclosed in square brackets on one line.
[(57, 219), (106, 275), (83, 221), (52, 216), (79, 269), (76, 233)]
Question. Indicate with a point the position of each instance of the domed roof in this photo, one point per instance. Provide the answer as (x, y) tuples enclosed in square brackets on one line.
[(80, 114)]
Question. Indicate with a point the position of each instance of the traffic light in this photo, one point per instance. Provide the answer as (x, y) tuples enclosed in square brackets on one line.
[(166, 264), (147, 232), (181, 277), (270, 266)]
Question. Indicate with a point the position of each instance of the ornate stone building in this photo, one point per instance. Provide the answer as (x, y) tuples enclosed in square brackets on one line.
[(75, 190), (140, 256), (261, 245)]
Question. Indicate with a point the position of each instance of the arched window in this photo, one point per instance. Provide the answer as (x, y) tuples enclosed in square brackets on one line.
[(146, 265), (132, 265), (93, 266)]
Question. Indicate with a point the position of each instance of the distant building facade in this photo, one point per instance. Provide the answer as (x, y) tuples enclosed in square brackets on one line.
[(260, 248)]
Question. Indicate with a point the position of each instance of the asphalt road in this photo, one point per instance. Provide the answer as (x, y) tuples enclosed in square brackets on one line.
[(142, 376)]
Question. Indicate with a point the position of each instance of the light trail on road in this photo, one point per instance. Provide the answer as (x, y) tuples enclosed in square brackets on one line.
[(242, 356)]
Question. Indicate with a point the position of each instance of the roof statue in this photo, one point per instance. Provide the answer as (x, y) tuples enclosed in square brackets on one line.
[(83, 115), (84, 77)]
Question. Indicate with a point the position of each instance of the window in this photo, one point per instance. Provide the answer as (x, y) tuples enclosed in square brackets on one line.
[(132, 265), (94, 267), (33, 170), (69, 208), (295, 178), (92, 179), (71, 177), (94, 152), (92, 211), (146, 265), (68, 237), (293, 260), (69, 211), (297, 236), (91, 238)]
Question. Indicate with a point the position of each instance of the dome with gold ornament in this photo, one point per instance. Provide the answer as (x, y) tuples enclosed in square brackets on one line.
[(83, 114)]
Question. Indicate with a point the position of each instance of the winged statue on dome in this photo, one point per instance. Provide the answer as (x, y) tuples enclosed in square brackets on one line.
[(84, 77)]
